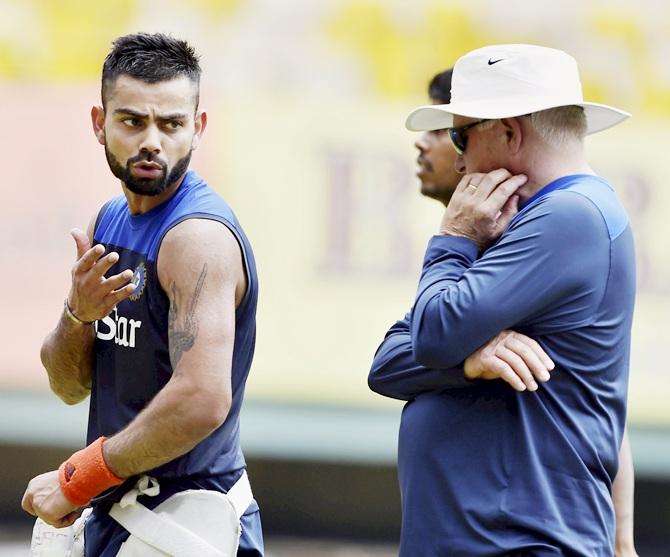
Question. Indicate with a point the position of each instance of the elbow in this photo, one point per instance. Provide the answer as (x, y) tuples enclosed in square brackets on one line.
[(377, 378), (210, 414), (374, 384), (219, 415), (378, 382), (68, 397), (373, 379), (45, 358), (71, 400), (384, 389)]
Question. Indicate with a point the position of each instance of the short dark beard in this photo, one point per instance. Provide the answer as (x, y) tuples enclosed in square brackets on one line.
[(437, 193), (147, 186)]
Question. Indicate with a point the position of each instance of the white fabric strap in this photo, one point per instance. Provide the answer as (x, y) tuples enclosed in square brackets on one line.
[(240, 494), (160, 532), (164, 534), (146, 485)]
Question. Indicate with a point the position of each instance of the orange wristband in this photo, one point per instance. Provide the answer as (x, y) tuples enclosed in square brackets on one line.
[(86, 474)]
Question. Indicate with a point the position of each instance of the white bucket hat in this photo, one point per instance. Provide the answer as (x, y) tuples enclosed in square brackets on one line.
[(503, 81)]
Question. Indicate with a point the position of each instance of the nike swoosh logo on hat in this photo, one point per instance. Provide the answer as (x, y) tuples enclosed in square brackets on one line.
[(491, 62)]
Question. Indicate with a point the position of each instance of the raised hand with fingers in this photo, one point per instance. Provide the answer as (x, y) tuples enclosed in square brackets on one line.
[(92, 295), (515, 358), (482, 206)]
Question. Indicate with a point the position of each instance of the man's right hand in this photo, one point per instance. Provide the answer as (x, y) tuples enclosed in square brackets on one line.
[(515, 358), (482, 206), (93, 296)]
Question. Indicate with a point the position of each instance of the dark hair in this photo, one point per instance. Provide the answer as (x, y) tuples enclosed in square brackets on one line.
[(440, 87), (150, 58)]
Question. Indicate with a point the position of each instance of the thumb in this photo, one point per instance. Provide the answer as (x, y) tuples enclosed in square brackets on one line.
[(81, 240), (69, 519)]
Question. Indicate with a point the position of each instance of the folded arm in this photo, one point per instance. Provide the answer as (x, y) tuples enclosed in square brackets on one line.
[(396, 374), (531, 276)]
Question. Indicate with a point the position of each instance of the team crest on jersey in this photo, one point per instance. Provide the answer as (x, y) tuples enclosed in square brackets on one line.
[(139, 280)]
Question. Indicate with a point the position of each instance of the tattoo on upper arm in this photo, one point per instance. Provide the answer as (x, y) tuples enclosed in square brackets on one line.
[(182, 321)]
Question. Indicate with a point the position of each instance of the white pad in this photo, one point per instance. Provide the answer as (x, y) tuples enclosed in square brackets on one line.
[(48, 541), (193, 523)]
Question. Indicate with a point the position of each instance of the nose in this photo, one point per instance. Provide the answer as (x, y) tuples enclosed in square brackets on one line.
[(422, 143), (151, 142), (459, 164)]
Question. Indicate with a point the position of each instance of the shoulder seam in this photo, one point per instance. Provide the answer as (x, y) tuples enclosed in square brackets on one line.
[(609, 247), (597, 208)]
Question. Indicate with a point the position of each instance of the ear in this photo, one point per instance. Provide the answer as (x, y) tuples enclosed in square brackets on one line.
[(200, 125), (98, 121), (513, 134)]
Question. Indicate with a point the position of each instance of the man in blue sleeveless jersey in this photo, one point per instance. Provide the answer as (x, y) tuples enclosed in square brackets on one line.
[(159, 324), (531, 240)]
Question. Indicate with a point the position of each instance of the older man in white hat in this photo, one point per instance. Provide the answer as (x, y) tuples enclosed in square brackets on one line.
[(532, 240)]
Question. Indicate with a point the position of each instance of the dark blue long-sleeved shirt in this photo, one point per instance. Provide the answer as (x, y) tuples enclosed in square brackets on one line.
[(487, 470)]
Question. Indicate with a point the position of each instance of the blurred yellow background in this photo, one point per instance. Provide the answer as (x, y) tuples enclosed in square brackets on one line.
[(306, 141)]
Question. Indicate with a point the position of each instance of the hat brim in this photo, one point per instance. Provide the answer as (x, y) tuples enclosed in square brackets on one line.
[(599, 117)]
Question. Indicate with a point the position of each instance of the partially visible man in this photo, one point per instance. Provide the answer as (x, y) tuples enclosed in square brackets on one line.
[(158, 327), (395, 373), (437, 158)]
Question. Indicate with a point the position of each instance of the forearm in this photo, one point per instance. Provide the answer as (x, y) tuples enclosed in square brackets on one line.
[(396, 374), (623, 498), (438, 327), (176, 420), (465, 299), (67, 356)]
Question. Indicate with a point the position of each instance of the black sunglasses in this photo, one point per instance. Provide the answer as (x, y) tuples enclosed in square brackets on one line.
[(459, 136)]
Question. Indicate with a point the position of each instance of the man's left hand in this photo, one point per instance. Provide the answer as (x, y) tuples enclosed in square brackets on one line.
[(44, 498), (515, 358), (482, 206)]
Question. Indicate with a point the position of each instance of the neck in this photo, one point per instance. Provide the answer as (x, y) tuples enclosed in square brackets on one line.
[(550, 163), (139, 204)]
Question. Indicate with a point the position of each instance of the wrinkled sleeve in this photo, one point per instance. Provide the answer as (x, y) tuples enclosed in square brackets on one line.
[(396, 374), (545, 272)]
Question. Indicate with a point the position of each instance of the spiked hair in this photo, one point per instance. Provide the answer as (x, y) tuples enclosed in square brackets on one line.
[(150, 58)]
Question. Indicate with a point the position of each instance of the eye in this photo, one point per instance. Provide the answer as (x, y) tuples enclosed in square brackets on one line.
[(172, 125), (132, 122)]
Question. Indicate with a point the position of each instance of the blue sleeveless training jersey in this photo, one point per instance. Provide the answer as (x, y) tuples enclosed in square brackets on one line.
[(132, 362)]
